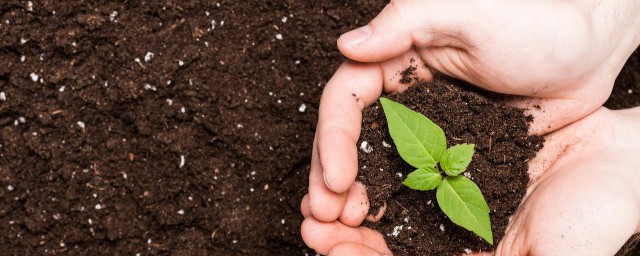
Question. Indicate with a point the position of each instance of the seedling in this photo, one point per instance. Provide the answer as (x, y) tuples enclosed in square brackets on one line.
[(422, 144)]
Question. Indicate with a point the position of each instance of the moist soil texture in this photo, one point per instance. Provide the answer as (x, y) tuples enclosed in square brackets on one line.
[(413, 223), (167, 127), (161, 127)]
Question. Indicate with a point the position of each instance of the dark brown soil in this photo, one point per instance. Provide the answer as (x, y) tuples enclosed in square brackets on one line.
[(626, 92), (499, 167), (243, 133), (233, 110)]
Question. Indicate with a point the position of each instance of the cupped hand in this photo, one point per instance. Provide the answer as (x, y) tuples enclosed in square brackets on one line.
[(584, 197)]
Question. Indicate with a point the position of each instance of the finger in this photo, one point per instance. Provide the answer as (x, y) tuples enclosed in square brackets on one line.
[(403, 71), (349, 249), (400, 25), (353, 87), (324, 204), (305, 208), (356, 207), (323, 236)]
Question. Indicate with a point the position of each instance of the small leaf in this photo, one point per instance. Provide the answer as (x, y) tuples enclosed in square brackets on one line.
[(456, 159), (419, 141), (423, 179), (461, 200)]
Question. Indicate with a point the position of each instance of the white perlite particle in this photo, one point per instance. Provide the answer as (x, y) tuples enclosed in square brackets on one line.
[(112, 16), (181, 212), (10, 188), (23, 58), (396, 230), (98, 206), (302, 108), (399, 175), (34, 77), (182, 161), (148, 56), (150, 87), (30, 6), (282, 221), (279, 36), (385, 144), (467, 251), (365, 147), (284, 19), (630, 91), (81, 124), (180, 63), (441, 227), (22, 120), (3, 96)]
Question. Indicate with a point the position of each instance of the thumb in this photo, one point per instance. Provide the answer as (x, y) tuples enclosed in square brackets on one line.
[(401, 25)]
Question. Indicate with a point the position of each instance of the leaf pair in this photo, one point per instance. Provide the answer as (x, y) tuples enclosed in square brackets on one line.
[(423, 145)]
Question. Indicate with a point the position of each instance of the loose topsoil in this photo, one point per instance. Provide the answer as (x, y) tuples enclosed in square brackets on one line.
[(413, 223), (163, 127)]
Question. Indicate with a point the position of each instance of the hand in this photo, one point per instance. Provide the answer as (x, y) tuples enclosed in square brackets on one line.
[(584, 198), (564, 54)]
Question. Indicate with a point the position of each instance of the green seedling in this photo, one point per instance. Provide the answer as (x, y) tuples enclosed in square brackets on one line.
[(422, 144)]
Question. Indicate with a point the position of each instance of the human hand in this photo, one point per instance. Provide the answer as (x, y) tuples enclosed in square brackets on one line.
[(563, 55), (583, 199)]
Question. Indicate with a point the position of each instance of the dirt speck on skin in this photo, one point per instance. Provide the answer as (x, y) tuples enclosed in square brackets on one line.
[(413, 223)]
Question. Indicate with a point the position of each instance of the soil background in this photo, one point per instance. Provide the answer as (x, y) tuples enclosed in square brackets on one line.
[(164, 127)]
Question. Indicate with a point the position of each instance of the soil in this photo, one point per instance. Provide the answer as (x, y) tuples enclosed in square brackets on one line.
[(163, 127), (626, 92), (413, 223), (91, 152)]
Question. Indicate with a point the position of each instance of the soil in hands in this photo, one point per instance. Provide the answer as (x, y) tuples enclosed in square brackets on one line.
[(413, 223)]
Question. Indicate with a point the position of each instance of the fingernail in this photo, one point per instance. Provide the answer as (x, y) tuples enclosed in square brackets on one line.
[(326, 182), (357, 36)]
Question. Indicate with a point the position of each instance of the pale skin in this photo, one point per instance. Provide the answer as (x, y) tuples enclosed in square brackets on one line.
[(584, 197)]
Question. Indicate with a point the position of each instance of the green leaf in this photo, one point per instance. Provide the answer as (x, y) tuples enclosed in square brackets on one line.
[(461, 200), (419, 141), (423, 179), (456, 159)]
